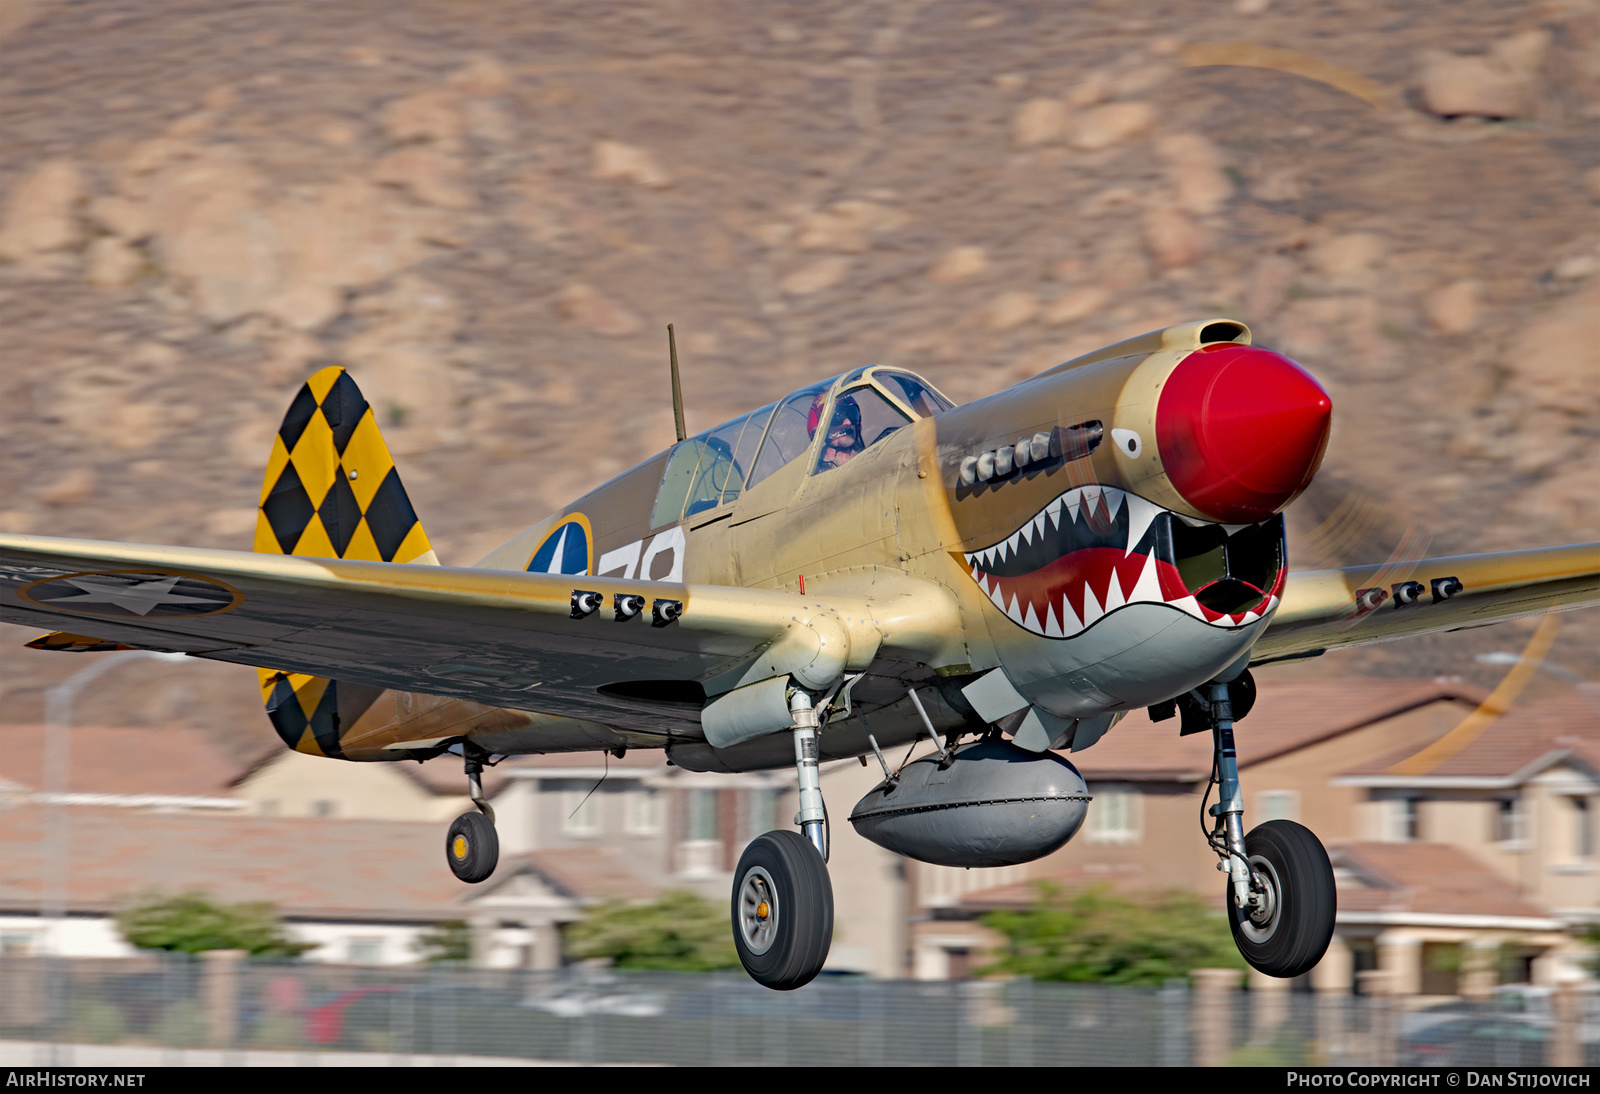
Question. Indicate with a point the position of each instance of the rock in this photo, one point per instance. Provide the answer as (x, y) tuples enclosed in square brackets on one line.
[(488, 122), (231, 522), (846, 226), (824, 273), (1251, 7), (627, 163), (482, 75), (338, 237), (1576, 267), (433, 115), (1281, 184), (1141, 80), (17, 522), (1454, 309), (1093, 90), (121, 216), (588, 308), (1010, 310), (1194, 166), (112, 264), (1268, 286), (213, 232), (1037, 121), (70, 488), (958, 264), (1123, 264), (1173, 239), (337, 134), (1558, 354), (1500, 85), (39, 215), (134, 425), (1591, 180), (1348, 260), (1111, 124), (1075, 305), (428, 174)]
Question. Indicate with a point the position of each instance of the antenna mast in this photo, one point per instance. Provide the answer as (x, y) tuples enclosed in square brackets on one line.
[(677, 388)]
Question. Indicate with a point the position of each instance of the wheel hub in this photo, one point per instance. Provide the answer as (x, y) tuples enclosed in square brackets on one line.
[(758, 910), (1261, 919)]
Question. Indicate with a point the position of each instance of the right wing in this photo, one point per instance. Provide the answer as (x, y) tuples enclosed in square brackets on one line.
[(496, 637), (1331, 609)]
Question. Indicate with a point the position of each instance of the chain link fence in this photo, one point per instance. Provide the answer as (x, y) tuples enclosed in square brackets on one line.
[(57, 1011)]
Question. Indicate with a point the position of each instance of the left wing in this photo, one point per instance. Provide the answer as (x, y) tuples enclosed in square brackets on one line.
[(1331, 609), (495, 637)]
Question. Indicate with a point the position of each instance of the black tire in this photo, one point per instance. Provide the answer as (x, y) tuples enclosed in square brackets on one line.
[(785, 949), (1293, 865), (472, 847)]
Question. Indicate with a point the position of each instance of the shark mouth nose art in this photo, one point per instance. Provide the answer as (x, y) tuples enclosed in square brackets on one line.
[(1096, 549)]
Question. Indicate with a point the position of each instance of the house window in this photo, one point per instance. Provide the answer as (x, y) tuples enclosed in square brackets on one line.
[(1406, 821), (761, 813), (365, 951), (702, 815), (1508, 821), (324, 807), (1277, 805), (644, 811), (1114, 815), (16, 943), (1583, 835), (580, 812)]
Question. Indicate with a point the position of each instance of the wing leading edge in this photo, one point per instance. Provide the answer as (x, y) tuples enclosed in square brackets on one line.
[(1331, 609), (495, 637)]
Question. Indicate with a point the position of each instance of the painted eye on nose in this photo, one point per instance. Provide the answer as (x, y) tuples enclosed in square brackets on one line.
[(1127, 441)]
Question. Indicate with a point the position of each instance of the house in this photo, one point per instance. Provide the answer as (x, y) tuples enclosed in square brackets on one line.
[(171, 769), (1144, 827), (1513, 798)]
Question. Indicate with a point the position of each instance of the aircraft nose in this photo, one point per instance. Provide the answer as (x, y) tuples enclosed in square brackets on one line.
[(1241, 431)]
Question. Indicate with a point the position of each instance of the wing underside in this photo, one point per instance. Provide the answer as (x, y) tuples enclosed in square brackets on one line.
[(493, 637), (1331, 609)]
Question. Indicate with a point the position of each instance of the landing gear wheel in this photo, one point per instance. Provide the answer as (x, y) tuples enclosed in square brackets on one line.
[(472, 847), (782, 910), (1288, 931)]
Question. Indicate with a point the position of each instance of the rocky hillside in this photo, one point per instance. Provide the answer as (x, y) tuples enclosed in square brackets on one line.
[(489, 212)]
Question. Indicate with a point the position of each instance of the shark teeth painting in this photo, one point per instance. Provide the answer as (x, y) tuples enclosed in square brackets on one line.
[(1097, 549)]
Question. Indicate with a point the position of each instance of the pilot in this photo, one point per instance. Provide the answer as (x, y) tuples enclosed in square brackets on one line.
[(844, 435)]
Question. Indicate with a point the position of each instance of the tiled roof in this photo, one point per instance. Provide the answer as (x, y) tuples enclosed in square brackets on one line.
[(1287, 715), (1524, 735), (586, 873), (303, 867), (1424, 879), (168, 761)]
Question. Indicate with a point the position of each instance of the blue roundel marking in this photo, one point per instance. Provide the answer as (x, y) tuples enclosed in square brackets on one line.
[(564, 551)]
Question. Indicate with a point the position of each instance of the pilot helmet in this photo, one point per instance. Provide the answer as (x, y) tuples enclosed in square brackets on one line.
[(847, 406)]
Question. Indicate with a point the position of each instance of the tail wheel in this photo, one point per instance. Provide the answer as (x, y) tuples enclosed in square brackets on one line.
[(782, 910), (472, 847), (1288, 930)]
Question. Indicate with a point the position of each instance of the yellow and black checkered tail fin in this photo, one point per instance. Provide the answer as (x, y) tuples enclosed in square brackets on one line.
[(331, 491), (331, 488)]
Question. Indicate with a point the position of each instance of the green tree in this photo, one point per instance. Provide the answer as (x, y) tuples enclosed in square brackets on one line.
[(679, 931), (189, 923), (1097, 936), (450, 940)]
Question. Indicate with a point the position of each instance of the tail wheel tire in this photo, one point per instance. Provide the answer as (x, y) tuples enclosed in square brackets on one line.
[(1288, 931), (782, 910), (472, 847)]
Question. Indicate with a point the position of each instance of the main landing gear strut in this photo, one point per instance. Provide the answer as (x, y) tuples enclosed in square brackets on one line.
[(782, 898), (1281, 899), (472, 846)]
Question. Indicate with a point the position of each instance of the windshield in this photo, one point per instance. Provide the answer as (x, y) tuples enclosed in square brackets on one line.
[(707, 471)]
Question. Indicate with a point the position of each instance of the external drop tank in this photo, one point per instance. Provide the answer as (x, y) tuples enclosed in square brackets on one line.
[(991, 804)]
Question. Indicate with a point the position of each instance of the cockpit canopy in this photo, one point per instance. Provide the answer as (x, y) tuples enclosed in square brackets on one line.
[(860, 408)]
